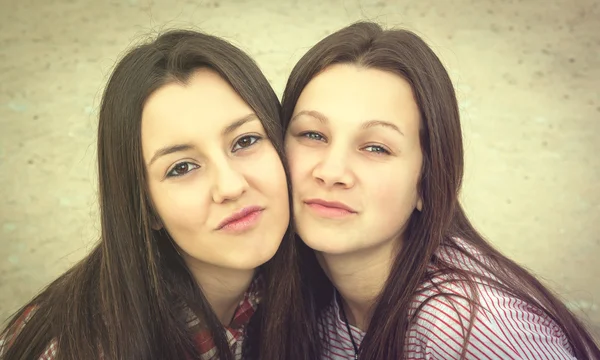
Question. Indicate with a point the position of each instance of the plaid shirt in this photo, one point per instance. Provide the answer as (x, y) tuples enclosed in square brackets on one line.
[(235, 330), (205, 345)]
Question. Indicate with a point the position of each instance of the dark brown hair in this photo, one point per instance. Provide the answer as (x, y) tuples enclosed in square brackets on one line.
[(125, 299), (442, 219)]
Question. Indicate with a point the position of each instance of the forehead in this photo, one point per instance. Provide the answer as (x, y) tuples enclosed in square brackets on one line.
[(206, 96), (352, 93), (200, 108)]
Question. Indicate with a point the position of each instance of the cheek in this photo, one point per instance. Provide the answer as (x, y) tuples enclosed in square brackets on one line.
[(268, 173), (290, 154), (299, 163), (181, 207), (393, 195), (384, 192)]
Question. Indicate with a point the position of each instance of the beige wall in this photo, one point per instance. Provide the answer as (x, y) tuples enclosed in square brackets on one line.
[(527, 74)]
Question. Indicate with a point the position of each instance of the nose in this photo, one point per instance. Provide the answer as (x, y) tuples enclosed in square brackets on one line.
[(333, 170), (229, 183)]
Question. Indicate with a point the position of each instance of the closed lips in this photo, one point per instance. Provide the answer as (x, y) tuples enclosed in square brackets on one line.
[(330, 204), (239, 215)]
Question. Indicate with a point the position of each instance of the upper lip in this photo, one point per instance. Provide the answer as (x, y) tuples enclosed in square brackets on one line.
[(331, 204), (238, 215)]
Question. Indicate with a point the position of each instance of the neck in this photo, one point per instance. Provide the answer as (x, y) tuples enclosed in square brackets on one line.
[(223, 288), (359, 277)]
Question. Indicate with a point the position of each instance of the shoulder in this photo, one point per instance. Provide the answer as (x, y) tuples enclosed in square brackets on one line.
[(501, 326), (50, 351), (9, 336), (14, 329)]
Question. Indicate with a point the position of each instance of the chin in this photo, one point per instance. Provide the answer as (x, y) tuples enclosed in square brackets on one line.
[(253, 258), (325, 244)]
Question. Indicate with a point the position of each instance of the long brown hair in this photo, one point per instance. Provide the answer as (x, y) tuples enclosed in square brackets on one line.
[(125, 299), (442, 219)]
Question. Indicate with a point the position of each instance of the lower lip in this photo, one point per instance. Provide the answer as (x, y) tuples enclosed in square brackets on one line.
[(329, 212), (243, 224)]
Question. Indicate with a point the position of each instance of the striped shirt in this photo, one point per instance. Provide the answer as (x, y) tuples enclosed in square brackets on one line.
[(235, 331), (504, 326)]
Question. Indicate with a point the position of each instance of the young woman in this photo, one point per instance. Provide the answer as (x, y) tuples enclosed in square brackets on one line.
[(374, 145), (188, 127)]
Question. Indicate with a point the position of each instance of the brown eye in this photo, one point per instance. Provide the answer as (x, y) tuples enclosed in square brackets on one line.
[(181, 169), (245, 142)]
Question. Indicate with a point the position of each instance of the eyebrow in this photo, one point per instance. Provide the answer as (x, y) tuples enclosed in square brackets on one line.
[(313, 113), (372, 123), (369, 124), (185, 147), (236, 124)]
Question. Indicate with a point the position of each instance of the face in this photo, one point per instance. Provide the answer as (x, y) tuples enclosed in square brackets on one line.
[(215, 180), (355, 159)]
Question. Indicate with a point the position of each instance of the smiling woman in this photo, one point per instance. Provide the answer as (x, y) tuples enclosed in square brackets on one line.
[(192, 231), (393, 269), (206, 153)]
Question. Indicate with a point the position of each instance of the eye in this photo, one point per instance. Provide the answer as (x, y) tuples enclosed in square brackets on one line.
[(245, 142), (311, 135), (181, 169), (377, 149)]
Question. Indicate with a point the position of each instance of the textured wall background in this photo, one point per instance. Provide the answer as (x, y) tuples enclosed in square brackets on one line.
[(527, 73)]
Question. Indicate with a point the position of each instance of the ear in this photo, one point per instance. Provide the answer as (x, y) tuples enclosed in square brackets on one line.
[(155, 222), (420, 204)]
